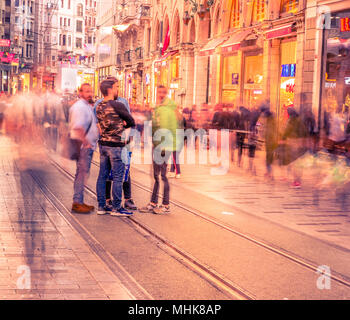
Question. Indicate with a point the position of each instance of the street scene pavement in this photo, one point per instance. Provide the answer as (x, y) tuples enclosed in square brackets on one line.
[(219, 242), (154, 151)]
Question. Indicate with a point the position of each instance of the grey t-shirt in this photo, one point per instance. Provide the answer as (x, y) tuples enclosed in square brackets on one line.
[(81, 114)]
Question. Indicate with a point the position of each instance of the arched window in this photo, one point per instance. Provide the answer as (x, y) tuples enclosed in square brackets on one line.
[(258, 10), (217, 23), (289, 6), (80, 10), (156, 36), (235, 14), (177, 39)]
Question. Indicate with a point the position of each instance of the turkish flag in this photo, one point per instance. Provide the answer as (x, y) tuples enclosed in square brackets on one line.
[(166, 41)]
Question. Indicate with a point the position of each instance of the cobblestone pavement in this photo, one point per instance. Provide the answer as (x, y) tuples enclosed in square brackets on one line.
[(41, 255), (308, 210)]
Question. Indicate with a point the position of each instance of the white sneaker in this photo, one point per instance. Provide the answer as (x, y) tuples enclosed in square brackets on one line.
[(178, 176)]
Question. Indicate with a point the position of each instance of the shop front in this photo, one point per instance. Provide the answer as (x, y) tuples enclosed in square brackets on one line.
[(48, 81), (287, 77), (166, 73), (253, 92), (231, 73), (336, 65), (5, 72)]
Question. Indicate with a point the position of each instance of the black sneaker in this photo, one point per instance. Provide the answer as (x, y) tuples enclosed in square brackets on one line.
[(130, 205)]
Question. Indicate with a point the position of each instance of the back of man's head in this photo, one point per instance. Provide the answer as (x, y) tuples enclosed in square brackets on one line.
[(105, 86)]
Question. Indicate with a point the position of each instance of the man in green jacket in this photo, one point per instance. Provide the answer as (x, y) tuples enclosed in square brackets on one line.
[(165, 120)]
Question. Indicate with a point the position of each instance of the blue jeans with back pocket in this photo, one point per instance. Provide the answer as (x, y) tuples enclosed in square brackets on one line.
[(110, 159)]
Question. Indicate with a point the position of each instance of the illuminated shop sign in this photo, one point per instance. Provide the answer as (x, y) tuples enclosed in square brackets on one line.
[(5, 43), (6, 57), (288, 70), (288, 85), (344, 24)]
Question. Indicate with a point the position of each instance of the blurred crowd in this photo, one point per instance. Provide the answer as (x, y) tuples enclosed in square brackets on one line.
[(298, 143)]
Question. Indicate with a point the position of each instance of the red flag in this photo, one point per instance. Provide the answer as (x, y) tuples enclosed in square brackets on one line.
[(166, 41)]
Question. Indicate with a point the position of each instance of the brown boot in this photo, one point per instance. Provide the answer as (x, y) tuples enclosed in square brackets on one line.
[(80, 208), (92, 208)]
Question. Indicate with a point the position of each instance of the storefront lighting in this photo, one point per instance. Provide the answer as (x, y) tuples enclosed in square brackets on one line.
[(186, 18)]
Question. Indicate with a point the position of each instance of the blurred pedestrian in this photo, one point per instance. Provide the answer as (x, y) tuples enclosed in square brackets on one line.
[(270, 138), (294, 147), (175, 169)]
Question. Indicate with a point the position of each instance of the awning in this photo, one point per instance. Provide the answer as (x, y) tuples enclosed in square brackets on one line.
[(279, 32), (234, 42), (167, 55), (210, 47)]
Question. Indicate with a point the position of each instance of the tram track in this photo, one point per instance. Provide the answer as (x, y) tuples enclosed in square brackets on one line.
[(342, 279), (217, 280)]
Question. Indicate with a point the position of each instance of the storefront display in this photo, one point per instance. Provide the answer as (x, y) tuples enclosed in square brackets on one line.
[(336, 73), (287, 78), (166, 73), (231, 69), (253, 80)]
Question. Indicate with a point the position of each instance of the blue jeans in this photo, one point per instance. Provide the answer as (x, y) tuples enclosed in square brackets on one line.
[(82, 173), (110, 158)]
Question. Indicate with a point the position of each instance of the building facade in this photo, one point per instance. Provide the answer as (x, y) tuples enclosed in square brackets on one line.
[(5, 45), (291, 53)]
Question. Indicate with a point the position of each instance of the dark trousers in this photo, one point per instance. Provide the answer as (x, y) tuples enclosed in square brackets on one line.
[(160, 169), (126, 189), (175, 166)]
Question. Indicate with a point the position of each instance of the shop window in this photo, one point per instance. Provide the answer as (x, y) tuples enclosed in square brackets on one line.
[(289, 6), (231, 77), (258, 10), (235, 14), (253, 80)]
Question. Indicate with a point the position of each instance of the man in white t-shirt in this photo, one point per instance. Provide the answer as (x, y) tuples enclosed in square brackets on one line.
[(83, 127)]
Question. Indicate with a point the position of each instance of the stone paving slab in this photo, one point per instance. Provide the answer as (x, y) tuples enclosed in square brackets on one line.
[(41, 255)]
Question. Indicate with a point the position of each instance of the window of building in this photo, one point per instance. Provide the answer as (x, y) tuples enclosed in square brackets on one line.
[(235, 14), (79, 43), (289, 6), (79, 26), (258, 10), (80, 10)]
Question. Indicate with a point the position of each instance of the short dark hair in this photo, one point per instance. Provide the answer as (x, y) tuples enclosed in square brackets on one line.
[(84, 85), (112, 78), (105, 85), (161, 87)]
